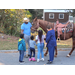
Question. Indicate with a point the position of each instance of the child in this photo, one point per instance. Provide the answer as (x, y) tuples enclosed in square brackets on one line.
[(51, 43), (32, 48), (21, 47), (40, 40)]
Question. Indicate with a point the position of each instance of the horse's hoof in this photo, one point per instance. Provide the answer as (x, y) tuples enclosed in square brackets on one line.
[(55, 55), (68, 55)]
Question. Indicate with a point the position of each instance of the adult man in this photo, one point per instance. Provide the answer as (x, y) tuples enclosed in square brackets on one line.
[(26, 30)]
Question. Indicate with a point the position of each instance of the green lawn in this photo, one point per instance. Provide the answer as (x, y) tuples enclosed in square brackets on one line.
[(12, 44), (7, 45)]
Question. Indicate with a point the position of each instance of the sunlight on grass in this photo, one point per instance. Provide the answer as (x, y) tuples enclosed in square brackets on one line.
[(12, 43)]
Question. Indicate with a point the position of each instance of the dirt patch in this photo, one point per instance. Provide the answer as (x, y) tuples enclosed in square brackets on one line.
[(4, 37), (10, 52)]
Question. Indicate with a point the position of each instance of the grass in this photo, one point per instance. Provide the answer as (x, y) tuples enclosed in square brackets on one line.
[(11, 42), (65, 43), (11, 45), (7, 45)]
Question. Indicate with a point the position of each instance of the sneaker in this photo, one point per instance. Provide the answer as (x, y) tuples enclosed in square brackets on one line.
[(49, 62), (30, 59), (38, 60), (25, 56), (22, 62), (42, 59), (33, 59)]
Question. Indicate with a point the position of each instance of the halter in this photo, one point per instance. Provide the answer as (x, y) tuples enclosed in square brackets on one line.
[(36, 26)]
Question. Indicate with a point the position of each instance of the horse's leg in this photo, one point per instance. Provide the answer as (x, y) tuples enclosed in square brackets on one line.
[(46, 52), (72, 49), (70, 52), (55, 52)]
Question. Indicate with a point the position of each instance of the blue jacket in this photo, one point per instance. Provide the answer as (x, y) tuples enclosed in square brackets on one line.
[(21, 44), (51, 39)]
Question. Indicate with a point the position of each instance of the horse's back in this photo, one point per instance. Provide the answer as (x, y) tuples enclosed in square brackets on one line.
[(48, 23)]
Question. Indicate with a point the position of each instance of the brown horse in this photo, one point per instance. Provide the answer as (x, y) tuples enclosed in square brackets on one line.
[(43, 24)]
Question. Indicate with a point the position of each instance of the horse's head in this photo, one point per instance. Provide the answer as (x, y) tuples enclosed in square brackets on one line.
[(35, 25)]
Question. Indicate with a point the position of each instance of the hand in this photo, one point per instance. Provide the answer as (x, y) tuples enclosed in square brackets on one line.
[(45, 44)]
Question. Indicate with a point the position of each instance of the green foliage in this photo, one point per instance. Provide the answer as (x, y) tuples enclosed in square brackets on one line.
[(36, 13), (11, 20)]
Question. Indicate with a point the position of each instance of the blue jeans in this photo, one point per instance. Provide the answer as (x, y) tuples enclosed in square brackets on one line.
[(32, 50), (40, 47), (21, 56)]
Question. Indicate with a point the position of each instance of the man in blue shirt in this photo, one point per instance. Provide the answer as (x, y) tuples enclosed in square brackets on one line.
[(26, 30)]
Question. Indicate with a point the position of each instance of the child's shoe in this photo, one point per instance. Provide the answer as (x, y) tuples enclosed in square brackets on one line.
[(42, 59), (33, 59), (30, 59), (38, 60)]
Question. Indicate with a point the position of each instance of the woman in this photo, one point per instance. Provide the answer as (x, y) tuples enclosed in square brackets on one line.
[(40, 40)]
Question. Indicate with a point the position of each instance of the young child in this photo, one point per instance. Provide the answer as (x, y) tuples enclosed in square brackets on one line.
[(40, 45), (32, 48), (21, 47), (51, 43)]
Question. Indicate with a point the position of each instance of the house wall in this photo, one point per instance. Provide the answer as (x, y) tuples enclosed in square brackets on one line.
[(56, 16)]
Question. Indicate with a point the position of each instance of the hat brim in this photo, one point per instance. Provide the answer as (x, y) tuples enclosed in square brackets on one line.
[(26, 20)]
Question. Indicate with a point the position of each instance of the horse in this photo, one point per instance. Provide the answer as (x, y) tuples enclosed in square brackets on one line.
[(43, 24)]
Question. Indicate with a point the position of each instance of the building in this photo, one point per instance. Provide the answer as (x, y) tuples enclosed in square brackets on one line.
[(52, 15)]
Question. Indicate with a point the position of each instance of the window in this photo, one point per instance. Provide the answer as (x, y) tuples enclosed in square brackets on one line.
[(61, 16), (51, 16)]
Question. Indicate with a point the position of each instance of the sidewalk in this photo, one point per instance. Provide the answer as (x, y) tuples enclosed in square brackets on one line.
[(10, 57), (59, 49)]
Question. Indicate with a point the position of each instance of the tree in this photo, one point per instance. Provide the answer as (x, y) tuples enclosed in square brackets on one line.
[(11, 20), (73, 13), (36, 13)]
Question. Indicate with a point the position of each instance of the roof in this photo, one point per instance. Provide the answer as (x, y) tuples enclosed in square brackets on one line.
[(56, 10)]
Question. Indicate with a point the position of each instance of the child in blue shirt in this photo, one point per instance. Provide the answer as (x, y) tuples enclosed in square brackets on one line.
[(21, 47), (32, 48), (51, 43)]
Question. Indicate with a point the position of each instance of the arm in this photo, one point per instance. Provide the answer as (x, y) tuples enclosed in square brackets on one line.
[(22, 31), (30, 25), (44, 37), (36, 39), (24, 45), (48, 37), (35, 43)]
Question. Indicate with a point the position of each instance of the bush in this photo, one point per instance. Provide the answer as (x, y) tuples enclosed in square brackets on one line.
[(11, 20)]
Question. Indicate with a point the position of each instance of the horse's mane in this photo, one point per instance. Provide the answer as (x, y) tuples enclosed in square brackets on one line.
[(44, 21)]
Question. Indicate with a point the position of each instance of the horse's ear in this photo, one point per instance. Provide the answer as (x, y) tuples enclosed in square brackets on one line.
[(36, 19)]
